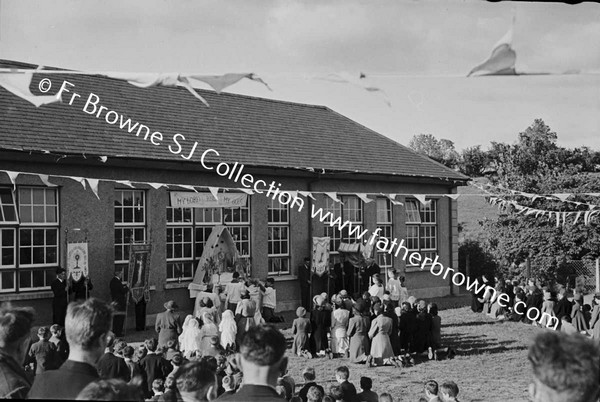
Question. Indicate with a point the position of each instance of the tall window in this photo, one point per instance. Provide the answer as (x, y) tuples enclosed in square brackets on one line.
[(421, 227), (28, 238), (349, 210), (384, 222), (279, 238), (130, 224), (188, 230)]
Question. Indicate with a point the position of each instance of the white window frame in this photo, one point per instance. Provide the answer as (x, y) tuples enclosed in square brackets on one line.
[(280, 260), (424, 221), (385, 223)]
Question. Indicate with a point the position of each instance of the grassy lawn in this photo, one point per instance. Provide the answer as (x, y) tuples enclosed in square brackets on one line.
[(491, 362)]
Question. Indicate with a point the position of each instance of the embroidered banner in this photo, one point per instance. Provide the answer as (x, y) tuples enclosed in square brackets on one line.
[(184, 199), (320, 260), (77, 260)]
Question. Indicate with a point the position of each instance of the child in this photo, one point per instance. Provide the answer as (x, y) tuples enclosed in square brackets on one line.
[(367, 395), (158, 388), (134, 368), (228, 385), (385, 397), (62, 346), (348, 390), (431, 390), (228, 329), (393, 286), (339, 329), (208, 330), (301, 331), (449, 391), (172, 349), (190, 338), (214, 349), (43, 352), (377, 288), (269, 302)]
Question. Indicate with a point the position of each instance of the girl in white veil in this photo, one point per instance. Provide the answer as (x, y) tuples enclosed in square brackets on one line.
[(189, 339), (228, 329)]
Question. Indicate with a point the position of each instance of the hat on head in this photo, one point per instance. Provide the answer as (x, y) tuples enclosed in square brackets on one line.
[(343, 293), (324, 294), (171, 305), (60, 270), (300, 311), (319, 300)]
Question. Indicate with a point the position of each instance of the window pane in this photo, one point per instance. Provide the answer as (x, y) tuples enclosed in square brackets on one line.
[(25, 279), (8, 281), (51, 214), (38, 255), (39, 197), (25, 214), (38, 237), (38, 279)]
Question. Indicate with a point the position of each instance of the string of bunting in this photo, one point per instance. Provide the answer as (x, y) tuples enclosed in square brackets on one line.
[(93, 184), (561, 217)]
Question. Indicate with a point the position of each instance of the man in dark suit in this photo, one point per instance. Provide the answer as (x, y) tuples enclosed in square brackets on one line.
[(59, 302), (305, 278), (370, 269), (155, 366), (118, 293), (87, 324), (111, 366), (262, 360)]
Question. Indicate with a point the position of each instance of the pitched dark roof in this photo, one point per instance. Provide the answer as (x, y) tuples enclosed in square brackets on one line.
[(253, 131)]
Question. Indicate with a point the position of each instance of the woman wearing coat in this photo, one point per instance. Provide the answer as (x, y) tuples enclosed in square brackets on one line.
[(595, 321), (358, 332), (168, 324), (381, 348)]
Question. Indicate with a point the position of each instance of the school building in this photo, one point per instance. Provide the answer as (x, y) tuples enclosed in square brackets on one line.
[(81, 169)]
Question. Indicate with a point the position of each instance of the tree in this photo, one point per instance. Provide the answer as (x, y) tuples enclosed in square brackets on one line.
[(441, 151), (473, 161)]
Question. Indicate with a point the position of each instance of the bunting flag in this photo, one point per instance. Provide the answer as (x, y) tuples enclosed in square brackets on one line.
[(502, 60), (46, 181), (452, 196), (220, 82), (125, 182), (81, 180), (19, 83), (421, 198), (13, 178), (333, 196), (246, 190), (562, 196), (188, 187), (360, 81), (93, 183), (214, 191), (307, 194), (156, 186), (363, 196), (103, 159)]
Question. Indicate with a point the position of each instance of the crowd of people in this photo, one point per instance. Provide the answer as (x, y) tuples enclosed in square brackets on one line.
[(552, 301)]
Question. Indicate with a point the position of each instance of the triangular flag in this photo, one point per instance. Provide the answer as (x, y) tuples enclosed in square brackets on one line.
[(502, 60), (421, 198), (562, 196), (156, 186), (79, 179), (333, 196), (307, 194), (44, 179), (125, 182), (293, 195), (187, 186), (103, 159), (220, 82), (214, 191), (13, 177), (247, 191), (364, 198), (94, 186), (19, 83), (453, 196)]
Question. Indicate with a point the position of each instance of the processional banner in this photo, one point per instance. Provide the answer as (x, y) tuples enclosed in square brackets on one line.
[(139, 271), (320, 260), (77, 260)]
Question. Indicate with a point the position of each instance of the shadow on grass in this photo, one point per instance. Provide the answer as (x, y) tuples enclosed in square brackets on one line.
[(469, 345), (471, 324)]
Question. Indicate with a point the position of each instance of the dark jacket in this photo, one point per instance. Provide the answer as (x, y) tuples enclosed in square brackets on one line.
[(250, 393), (79, 288), (44, 355), (155, 366), (64, 383), (14, 381), (349, 391), (168, 326), (304, 391), (118, 293), (111, 366)]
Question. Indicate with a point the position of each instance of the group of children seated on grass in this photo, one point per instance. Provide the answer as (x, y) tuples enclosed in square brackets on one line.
[(344, 390), (551, 301), (369, 329)]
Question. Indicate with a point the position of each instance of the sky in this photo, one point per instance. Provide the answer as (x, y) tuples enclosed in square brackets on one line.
[(418, 52)]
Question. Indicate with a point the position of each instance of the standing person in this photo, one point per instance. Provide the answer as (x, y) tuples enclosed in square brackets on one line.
[(358, 329), (234, 290), (367, 273), (377, 288), (87, 324), (339, 329), (577, 318), (228, 330), (168, 324), (262, 359), (62, 346), (140, 311), (244, 315), (305, 278), (563, 307), (393, 286), (59, 302), (270, 302), (81, 288), (118, 293), (595, 321), (320, 321), (43, 352), (15, 328)]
